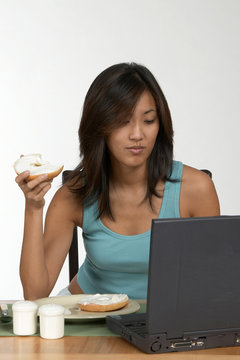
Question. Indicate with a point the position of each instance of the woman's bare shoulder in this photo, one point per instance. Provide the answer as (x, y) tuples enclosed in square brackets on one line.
[(198, 194), (196, 178), (66, 203), (64, 194)]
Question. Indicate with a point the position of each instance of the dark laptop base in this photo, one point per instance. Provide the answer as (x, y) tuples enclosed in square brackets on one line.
[(159, 343), (193, 287)]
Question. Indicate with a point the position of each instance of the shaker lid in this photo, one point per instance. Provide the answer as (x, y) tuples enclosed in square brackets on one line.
[(51, 309), (24, 305)]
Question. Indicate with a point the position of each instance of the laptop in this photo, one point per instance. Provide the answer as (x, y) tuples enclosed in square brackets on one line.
[(193, 299)]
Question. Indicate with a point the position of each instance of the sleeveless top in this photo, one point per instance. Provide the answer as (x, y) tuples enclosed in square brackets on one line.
[(117, 263)]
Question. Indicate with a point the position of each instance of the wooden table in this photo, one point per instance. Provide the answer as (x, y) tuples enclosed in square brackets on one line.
[(97, 348)]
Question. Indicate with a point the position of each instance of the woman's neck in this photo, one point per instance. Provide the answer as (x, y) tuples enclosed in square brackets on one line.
[(123, 177)]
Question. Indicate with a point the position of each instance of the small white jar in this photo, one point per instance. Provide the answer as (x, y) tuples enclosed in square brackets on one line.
[(51, 321), (24, 317)]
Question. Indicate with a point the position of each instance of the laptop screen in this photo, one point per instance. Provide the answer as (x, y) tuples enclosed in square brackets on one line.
[(194, 275)]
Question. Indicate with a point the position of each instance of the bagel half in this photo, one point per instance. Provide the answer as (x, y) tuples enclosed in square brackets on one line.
[(103, 302), (37, 166)]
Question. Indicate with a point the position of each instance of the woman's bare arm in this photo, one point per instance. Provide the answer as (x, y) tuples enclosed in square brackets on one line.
[(44, 252)]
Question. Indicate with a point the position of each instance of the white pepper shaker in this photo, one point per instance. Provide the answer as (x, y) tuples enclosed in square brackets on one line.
[(24, 317), (51, 321)]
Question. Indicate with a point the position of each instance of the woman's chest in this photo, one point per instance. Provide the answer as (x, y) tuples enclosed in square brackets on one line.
[(131, 218), (110, 251)]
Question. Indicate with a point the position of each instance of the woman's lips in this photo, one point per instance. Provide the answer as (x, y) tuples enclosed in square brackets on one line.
[(135, 149)]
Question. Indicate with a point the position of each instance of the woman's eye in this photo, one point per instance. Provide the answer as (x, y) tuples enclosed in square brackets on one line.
[(149, 121)]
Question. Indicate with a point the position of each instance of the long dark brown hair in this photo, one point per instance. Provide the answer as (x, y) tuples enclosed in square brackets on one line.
[(111, 99)]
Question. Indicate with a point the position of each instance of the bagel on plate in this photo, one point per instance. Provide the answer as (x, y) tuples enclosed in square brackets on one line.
[(37, 166), (103, 302)]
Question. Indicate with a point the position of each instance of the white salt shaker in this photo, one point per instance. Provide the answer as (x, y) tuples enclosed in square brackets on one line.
[(51, 321), (24, 317)]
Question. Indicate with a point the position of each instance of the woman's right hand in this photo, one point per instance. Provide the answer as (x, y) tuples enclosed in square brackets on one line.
[(34, 190)]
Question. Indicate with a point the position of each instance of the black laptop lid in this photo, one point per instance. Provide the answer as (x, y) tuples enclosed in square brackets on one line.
[(194, 275)]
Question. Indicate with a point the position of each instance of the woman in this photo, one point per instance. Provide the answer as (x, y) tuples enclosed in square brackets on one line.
[(126, 178)]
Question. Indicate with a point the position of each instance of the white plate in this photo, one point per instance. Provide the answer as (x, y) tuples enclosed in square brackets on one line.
[(72, 311)]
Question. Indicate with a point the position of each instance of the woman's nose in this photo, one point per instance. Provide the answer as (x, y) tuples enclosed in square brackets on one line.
[(136, 132)]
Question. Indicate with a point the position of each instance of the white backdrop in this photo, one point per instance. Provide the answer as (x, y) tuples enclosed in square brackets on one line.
[(50, 52)]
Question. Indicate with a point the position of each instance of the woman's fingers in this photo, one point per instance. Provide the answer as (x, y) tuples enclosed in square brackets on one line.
[(23, 182), (35, 185), (37, 181), (43, 192), (38, 192), (43, 184), (34, 190), (22, 177)]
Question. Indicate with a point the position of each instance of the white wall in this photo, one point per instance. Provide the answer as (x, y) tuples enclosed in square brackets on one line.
[(50, 52)]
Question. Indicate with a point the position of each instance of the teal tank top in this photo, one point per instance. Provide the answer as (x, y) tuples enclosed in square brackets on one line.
[(117, 263)]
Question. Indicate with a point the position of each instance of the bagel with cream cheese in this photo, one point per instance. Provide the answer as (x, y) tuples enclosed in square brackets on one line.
[(102, 302), (37, 166)]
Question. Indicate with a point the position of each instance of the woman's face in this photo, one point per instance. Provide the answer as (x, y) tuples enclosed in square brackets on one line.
[(132, 143)]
